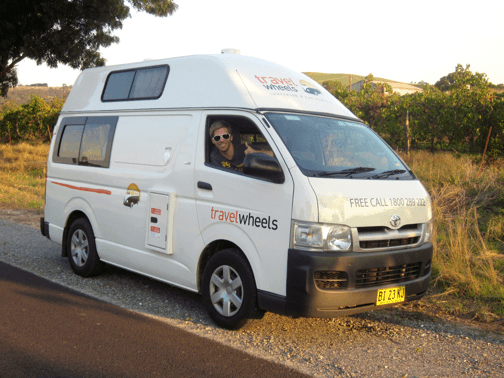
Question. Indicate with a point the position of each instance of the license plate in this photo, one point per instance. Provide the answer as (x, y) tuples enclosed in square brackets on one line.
[(392, 295)]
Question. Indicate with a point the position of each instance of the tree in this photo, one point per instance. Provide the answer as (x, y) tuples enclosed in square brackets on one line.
[(461, 76), (10, 80), (64, 31)]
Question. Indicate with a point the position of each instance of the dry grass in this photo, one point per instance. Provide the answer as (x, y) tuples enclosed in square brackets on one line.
[(22, 175), (469, 228)]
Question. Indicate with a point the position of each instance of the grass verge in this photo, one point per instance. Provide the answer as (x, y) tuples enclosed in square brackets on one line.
[(22, 176), (468, 208)]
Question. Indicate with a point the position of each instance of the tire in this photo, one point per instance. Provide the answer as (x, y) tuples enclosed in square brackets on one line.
[(229, 289), (81, 248)]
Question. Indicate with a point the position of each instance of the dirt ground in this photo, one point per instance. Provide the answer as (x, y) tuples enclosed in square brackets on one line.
[(27, 217)]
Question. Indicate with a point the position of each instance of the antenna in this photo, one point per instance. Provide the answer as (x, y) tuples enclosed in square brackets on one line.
[(231, 51)]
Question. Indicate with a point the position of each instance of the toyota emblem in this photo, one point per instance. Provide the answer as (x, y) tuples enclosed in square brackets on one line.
[(395, 220)]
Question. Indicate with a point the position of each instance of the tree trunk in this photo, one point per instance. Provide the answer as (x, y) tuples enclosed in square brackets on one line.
[(49, 132), (17, 129), (432, 139), (407, 140)]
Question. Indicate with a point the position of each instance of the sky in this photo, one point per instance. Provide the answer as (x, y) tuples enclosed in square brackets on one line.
[(406, 41)]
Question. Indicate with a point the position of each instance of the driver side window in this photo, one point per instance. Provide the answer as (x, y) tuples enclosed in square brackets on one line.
[(230, 139)]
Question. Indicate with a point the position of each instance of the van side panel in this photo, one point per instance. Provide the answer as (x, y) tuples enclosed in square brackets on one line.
[(115, 199)]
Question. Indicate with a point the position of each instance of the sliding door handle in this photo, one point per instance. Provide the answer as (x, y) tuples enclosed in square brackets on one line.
[(204, 185)]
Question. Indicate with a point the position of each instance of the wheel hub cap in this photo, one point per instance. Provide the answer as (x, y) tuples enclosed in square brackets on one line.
[(226, 290), (79, 248)]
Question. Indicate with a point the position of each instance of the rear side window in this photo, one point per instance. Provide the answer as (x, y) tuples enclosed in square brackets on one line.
[(70, 142), (138, 84), (85, 141), (118, 86)]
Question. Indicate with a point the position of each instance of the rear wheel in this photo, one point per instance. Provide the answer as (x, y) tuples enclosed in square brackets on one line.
[(229, 290), (81, 248)]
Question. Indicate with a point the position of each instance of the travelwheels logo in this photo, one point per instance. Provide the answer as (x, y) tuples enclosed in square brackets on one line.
[(286, 84), (309, 88), (244, 219)]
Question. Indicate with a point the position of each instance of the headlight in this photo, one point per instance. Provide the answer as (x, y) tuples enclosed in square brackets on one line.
[(339, 238), (320, 237), (308, 236)]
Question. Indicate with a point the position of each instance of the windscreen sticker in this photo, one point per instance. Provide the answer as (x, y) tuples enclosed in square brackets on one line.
[(387, 202), (244, 219)]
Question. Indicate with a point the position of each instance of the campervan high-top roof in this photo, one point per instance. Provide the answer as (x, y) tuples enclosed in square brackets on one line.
[(200, 82)]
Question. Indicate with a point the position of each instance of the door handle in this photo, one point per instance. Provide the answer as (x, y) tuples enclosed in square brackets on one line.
[(204, 185)]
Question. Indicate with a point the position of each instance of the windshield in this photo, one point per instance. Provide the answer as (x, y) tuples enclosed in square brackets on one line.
[(329, 147)]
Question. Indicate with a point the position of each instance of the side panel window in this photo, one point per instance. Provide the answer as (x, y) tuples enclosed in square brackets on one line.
[(87, 144), (136, 84), (70, 142), (149, 83), (95, 141), (118, 86)]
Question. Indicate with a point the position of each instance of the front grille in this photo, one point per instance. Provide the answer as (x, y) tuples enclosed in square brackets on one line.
[(370, 238), (388, 242), (387, 275), (329, 279)]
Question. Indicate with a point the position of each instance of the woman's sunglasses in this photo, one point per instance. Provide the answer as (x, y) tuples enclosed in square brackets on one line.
[(224, 136)]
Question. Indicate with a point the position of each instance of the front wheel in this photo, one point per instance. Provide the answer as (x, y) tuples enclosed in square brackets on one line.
[(229, 290), (81, 248)]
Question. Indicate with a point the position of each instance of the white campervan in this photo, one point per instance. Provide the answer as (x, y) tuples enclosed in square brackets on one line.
[(328, 222)]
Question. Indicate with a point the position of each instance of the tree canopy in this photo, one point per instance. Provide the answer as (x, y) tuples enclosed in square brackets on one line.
[(63, 31), (461, 77), (460, 112)]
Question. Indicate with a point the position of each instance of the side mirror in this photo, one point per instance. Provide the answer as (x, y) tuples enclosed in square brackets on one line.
[(264, 167)]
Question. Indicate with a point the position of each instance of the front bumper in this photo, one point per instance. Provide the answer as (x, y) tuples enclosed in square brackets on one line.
[(364, 274)]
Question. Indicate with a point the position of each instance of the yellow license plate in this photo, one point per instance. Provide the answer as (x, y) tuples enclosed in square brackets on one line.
[(392, 295)]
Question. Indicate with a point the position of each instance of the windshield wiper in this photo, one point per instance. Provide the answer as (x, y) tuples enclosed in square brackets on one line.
[(389, 173), (346, 172)]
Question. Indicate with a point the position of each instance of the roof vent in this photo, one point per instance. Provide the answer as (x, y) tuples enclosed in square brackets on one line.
[(230, 51)]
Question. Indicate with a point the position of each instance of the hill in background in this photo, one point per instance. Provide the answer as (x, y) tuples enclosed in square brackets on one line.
[(320, 77), (23, 95), (345, 78)]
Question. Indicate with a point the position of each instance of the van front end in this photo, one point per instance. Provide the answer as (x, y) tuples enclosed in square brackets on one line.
[(333, 284), (367, 242), (334, 270)]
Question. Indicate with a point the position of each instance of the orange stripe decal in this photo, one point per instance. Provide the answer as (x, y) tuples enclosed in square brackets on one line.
[(100, 191)]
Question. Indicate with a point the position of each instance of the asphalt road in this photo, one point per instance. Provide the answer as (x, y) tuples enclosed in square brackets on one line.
[(48, 330)]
